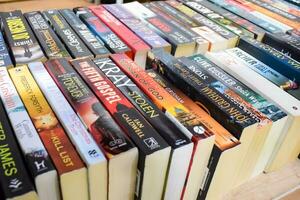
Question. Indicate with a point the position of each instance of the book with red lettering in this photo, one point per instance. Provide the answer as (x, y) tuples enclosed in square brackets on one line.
[(120, 152), (189, 123), (137, 45), (70, 168), (154, 152)]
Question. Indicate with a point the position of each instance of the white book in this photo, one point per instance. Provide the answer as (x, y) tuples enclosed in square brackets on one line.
[(284, 145), (84, 143), (37, 159)]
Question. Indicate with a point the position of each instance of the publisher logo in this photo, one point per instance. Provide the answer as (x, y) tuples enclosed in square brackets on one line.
[(15, 183), (151, 143), (199, 130)]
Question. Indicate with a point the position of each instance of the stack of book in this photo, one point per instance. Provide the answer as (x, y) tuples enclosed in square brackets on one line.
[(160, 100)]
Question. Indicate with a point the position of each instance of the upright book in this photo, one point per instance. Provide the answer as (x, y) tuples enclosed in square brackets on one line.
[(138, 46), (85, 145), (49, 41), (20, 38), (120, 152), (37, 159), (95, 44), (181, 145), (73, 43), (71, 170), (5, 60), (15, 183)]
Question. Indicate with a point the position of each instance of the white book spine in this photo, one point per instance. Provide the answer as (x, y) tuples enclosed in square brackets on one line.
[(139, 10), (83, 141)]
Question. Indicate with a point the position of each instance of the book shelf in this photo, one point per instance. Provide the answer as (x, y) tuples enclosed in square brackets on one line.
[(283, 184)]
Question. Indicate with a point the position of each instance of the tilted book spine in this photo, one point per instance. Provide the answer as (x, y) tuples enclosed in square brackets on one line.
[(5, 60)]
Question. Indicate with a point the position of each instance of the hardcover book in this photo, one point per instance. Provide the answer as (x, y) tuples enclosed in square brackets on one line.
[(73, 43), (138, 27), (70, 168), (15, 183), (152, 147), (203, 21), (87, 148), (286, 148), (181, 45), (5, 60), (271, 57), (20, 38), (138, 46), (49, 41), (181, 145), (189, 123), (120, 152), (110, 39), (37, 160), (95, 44)]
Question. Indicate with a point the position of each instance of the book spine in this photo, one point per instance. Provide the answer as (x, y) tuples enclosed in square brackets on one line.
[(137, 26), (14, 179), (94, 43), (73, 43), (133, 41), (110, 39), (36, 156), (206, 90), (5, 60), (180, 115), (157, 119), (271, 57), (141, 132), (97, 120), (21, 40), (58, 145)]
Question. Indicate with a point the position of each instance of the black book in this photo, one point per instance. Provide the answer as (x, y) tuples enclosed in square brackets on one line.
[(22, 43)]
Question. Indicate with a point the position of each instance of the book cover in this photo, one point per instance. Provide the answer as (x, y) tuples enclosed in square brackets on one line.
[(137, 26), (73, 43), (94, 43), (271, 57), (20, 38), (110, 39), (5, 60), (132, 122), (36, 157), (14, 181)]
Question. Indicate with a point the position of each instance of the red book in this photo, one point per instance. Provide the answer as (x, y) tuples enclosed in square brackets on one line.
[(137, 45)]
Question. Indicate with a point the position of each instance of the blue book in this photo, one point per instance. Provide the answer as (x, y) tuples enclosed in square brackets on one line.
[(5, 60)]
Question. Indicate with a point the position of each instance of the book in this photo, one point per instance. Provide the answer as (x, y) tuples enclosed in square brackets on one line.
[(5, 60), (201, 20), (85, 145), (47, 38), (21, 41), (284, 6), (257, 31), (15, 183), (71, 170), (201, 43), (119, 150), (112, 42), (138, 27), (138, 46), (271, 57), (181, 45), (285, 44), (246, 13), (267, 72), (36, 157), (202, 138), (152, 147), (94, 44), (226, 152), (181, 145), (72, 42), (286, 147), (258, 104), (219, 19)]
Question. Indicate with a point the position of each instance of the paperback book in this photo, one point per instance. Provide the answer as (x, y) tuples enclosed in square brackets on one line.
[(5, 60)]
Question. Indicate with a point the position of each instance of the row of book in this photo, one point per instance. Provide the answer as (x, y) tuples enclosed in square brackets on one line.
[(147, 101)]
